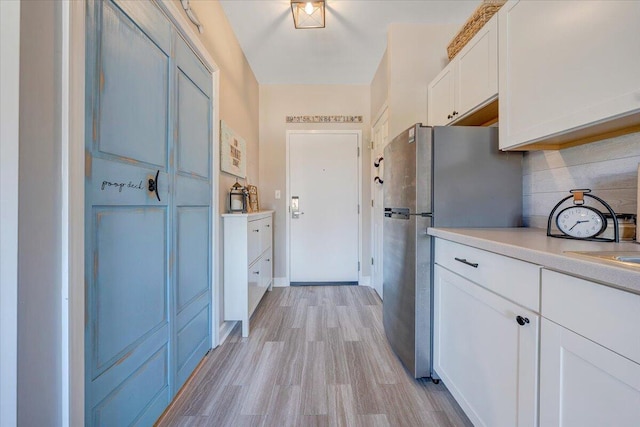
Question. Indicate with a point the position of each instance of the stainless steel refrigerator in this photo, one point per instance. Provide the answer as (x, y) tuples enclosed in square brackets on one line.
[(450, 176)]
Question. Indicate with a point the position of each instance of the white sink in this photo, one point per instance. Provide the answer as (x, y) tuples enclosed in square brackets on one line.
[(631, 258)]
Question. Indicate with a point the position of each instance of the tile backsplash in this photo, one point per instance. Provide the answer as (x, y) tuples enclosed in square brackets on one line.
[(608, 167)]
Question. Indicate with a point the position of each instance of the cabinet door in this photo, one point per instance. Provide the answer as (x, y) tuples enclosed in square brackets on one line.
[(477, 69), (441, 98), (584, 384), (484, 356), (565, 65), (265, 234), (266, 270)]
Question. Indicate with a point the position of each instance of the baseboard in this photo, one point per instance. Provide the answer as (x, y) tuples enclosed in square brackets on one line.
[(365, 281), (280, 282), (225, 330)]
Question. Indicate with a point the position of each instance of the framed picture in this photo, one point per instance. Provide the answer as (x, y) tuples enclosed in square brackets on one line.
[(254, 205), (233, 152)]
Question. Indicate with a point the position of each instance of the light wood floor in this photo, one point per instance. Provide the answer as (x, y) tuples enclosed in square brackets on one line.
[(315, 356)]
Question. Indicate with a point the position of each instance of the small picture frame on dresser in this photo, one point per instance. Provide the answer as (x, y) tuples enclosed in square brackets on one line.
[(254, 205)]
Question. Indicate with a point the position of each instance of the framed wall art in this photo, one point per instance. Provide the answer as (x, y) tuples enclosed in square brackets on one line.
[(254, 205), (233, 152)]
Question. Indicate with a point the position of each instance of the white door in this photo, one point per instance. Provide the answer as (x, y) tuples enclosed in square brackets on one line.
[(380, 132), (324, 205)]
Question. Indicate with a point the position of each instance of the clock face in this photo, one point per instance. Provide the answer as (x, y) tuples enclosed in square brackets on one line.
[(581, 222)]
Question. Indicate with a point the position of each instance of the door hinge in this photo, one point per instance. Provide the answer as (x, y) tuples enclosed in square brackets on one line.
[(358, 209), (371, 260), (358, 265), (358, 151), (372, 203)]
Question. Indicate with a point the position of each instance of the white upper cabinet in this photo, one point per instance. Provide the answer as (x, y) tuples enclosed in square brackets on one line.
[(441, 97), (469, 82), (568, 71), (477, 69)]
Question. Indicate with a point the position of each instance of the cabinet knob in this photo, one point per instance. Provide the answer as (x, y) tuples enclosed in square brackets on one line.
[(449, 116), (522, 320), (268, 260), (257, 230), (455, 113), (256, 272)]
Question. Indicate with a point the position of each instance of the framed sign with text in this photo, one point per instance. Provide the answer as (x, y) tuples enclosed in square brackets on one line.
[(233, 152)]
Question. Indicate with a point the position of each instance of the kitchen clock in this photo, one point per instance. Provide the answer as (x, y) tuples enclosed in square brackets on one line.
[(580, 221)]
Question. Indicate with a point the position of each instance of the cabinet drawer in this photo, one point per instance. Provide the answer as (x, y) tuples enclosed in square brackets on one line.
[(492, 271), (255, 291), (253, 240), (608, 316)]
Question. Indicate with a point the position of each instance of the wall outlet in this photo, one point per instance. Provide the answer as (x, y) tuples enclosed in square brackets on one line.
[(277, 194)]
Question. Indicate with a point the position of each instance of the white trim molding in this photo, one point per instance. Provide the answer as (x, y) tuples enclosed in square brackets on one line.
[(9, 149), (280, 282)]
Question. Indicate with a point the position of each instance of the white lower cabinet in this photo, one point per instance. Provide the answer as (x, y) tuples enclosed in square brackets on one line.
[(584, 384), (485, 351), (589, 354), (248, 265)]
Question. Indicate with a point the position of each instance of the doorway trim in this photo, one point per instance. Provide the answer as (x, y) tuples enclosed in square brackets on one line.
[(290, 132), (72, 225), (9, 159)]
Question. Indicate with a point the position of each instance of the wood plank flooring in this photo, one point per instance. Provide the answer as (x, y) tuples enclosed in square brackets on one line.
[(316, 356)]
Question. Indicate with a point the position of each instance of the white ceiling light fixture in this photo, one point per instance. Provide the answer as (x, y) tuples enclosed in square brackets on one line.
[(308, 14)]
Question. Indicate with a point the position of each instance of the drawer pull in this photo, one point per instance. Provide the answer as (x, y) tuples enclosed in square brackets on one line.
[(268, 260), (257, 230), (464, 261), (522, 320), (256, 272), (268, 225)]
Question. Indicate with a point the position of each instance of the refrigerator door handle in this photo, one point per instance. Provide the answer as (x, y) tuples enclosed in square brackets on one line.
[(423, 214)]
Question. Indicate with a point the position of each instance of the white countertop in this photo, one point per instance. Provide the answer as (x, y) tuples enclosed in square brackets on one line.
[(533, 245)]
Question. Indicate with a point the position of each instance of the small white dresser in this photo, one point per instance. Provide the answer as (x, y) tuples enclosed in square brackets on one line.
[(248, 263)]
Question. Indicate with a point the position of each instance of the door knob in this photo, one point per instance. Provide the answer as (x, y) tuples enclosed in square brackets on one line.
[(153, 185), (521, 320)]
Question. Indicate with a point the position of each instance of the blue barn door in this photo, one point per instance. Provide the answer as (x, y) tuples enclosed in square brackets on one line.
[(148, 213)]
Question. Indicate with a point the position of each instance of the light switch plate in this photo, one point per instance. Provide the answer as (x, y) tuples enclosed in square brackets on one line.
[(277, 194)]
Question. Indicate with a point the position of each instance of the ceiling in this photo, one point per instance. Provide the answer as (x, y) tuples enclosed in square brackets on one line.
[(347, 51)]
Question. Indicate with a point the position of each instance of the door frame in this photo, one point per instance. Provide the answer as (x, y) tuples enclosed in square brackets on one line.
[(290, 132), (9, 131), (72, 83), (382, 113)]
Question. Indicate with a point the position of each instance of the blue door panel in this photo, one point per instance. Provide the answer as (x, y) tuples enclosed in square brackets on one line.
[(193, 254), (117, 183), (192, 191), (130, 298), (150, 20), (103, 384), (192, 361), (191, 66), (130, 400), (193, 128), (134, 98), (193, 333)]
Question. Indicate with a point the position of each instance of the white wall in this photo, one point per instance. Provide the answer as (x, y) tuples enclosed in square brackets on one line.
[(379, 87), (279, 101), (39, 251), (416, 53), (9, 126), (608, 167)]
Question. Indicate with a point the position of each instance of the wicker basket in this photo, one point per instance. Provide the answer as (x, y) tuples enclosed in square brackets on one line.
[(480, 16)]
